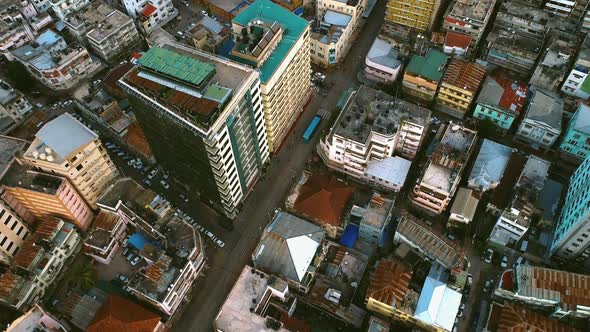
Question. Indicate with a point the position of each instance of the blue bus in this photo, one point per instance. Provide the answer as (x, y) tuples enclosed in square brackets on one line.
[(313, 125)]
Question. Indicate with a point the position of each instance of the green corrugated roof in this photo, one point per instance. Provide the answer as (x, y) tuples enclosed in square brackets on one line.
[(292, 25), (428, 66), (177, 65), (586, 85)]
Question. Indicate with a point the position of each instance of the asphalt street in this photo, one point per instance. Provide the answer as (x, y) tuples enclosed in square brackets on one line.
[(224, 265)]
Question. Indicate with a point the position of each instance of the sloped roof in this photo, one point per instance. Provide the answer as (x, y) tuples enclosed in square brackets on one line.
[(567, 288), (65, 135), (500, 91), (459, 40), (489, 166), (514, 318), (323, 197), (106, 220), (148, 10), (429, 66), (383, 53), (581, 121), (547, 107), (389, 282), (120, 315), (287, 247), (464, 74), (27, 254), (438, 304)]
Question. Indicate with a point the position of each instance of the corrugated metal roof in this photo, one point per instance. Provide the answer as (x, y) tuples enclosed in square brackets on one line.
[(65, 135), (430, 66), (177, 65), (288, 246), (489, 166), (438, 304)]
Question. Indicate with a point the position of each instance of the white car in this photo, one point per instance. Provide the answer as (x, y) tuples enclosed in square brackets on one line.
[(220, 243), (165, 185), (504, 262), (209, 235), (135, 260), (488, 256)]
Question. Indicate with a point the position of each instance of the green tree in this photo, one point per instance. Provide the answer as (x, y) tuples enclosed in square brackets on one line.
[(20, 78), (82, 275)]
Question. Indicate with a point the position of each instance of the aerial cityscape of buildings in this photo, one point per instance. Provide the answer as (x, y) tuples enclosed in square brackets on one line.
[(293, 165)]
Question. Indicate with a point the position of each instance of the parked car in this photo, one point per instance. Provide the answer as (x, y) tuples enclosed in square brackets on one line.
[(488, 256), (209, 235), (220, 243), (469, 280), (123, 278), (148, 182), (166, 185), (184, 198), (519, 260), (135, 260), (125, 251), (504, 262), (130, 256)]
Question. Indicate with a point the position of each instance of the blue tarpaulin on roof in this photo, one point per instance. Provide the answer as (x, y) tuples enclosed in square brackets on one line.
[(298, 11), (225, 48), (351, 233), (138, 241)]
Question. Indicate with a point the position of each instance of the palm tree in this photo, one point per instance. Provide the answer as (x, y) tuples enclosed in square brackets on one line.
[(82, 275)]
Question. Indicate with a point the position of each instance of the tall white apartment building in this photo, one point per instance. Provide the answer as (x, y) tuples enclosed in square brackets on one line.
[(372, 129), (150, 14), (208, 128), (277, 44), (13, 231), (66, 147)]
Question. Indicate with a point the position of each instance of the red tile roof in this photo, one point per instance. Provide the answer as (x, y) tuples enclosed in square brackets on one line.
[(459, 40), (323, 198), (514, 318), (47, 228), (389, 282), (464, 74), (149, 10), (8, 281), (120, 315), (514, 93), (27, 254)]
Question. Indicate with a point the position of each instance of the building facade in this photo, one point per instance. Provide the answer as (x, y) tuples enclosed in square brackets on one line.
[(515, 220), (458, 87), (13, 232), (108, 32), (211, 131), (469, 18), (517, 38), (382, 63), (13, 103), (576, 140), (571, 242), (66, 147), (423, 75), (440, 179), (500, 101), (577, 83), (149, 14), (64, 8), (283, 61), (561, 47), (54, 63), (331, 38), (541, 125), (372, 128), (36, 196), (415, 14), (375, 221)]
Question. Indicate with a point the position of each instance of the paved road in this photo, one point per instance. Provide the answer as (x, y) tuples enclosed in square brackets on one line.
[(224, 265)]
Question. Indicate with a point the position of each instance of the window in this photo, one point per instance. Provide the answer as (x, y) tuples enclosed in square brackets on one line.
[(79, 167)]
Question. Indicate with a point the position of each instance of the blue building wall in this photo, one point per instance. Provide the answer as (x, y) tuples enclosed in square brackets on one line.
[(499, 117), (576, 142), (576, 209)]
